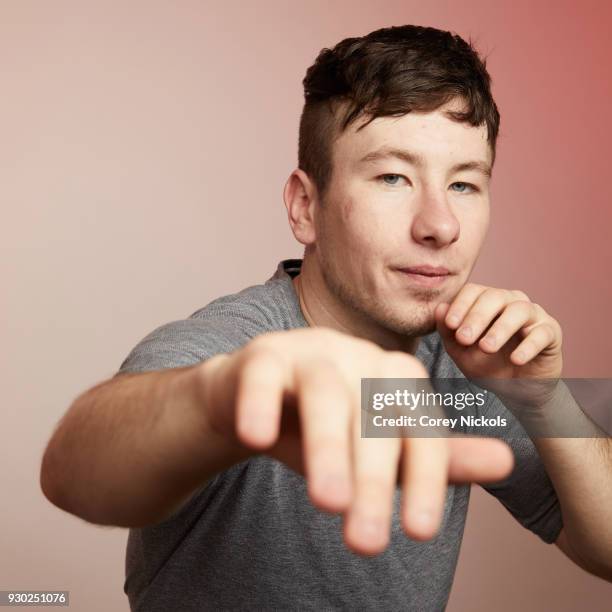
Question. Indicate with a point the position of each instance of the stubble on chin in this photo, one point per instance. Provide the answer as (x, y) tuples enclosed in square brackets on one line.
[(415, 320)]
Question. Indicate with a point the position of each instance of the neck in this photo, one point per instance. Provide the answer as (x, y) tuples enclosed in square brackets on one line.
[(320, 308)]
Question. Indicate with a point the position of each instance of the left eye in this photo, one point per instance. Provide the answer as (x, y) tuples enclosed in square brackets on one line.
[(472, 187)]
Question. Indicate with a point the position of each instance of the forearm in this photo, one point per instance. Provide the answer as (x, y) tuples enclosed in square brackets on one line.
[(580, 469), (131, 449)]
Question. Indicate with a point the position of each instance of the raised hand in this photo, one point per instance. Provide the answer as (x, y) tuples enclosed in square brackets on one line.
[(500, 334)]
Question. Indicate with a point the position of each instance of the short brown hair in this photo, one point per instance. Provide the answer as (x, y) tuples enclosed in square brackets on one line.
[(388, 72)]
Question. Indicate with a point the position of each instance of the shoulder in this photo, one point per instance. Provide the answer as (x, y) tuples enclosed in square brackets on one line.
[(268, 306), (222, 326)]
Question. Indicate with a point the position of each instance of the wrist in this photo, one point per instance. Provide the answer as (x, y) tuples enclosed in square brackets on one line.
[(187, 421), (210, 386), (555, 414)]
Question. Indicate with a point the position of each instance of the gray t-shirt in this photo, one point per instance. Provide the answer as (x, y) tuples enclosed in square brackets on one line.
[(250, 539)]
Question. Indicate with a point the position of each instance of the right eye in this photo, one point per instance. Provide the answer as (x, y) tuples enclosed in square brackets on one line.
[(382, 178)]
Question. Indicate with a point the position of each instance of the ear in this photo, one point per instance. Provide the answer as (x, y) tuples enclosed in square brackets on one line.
[(301, 199)]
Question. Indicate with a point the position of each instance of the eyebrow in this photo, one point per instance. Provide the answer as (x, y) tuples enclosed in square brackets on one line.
[(418, 160)]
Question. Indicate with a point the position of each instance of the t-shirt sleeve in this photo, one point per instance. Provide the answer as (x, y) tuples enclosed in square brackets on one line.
[(182, 343), (527, 493)]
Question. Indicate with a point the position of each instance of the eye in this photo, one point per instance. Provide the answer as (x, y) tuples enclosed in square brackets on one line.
[(390, 184), (472, 187)]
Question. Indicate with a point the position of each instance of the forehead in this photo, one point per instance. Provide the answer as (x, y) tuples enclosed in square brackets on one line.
[(432, 138)]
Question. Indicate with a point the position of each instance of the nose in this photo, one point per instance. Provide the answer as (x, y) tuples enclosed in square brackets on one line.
[(434, 224)]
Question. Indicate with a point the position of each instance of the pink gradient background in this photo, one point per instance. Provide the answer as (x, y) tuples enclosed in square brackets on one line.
[(144, 150)]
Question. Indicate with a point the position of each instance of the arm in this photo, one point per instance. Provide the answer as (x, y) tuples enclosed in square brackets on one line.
[(132, 449), (511, 340), (129, 450), (580, 470)]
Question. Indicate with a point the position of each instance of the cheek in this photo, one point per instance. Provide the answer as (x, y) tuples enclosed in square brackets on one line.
[(362, 225), (474, 229)]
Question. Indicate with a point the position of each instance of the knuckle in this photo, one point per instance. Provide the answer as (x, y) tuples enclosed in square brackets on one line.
[(550, 332), (521, 305), (474, 286), (460, 307), (499, 329), (323, 368), (402, 363), (540, 312), (260, 342), (520, 295), (368, 346), (326, 340), (351, 343), (528, 345), (492, 292), (324, 379), (475, 318), (325, 333), (260, 349)]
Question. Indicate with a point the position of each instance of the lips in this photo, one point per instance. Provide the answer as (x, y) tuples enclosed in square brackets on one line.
[(427, 270), (425, 276)]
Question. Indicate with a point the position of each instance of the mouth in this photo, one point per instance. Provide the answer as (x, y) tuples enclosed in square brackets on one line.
[(425, 276)]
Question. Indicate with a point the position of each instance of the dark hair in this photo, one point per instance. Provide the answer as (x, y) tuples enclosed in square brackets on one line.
[(388, 72)]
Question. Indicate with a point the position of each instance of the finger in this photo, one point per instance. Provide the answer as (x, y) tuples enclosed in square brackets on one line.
[(515, 316), (259, 395), (368, 521), (375, 470), (424, 485), (481, 460), (446, 333), (324, 407), (485, 308), (462, 303), (538, 339)]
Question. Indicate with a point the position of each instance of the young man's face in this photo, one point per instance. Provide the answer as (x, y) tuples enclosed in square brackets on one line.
[(422, 214)]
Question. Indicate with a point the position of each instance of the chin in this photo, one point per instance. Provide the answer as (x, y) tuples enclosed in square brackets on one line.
[(418, 321), (412, 328)]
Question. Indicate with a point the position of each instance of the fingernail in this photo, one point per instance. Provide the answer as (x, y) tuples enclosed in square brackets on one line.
[(423, 519), (466, 332), (371, 528), (255, 426), (453, 320)]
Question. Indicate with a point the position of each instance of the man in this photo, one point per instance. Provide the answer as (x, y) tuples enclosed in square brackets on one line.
[(230, 442)]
